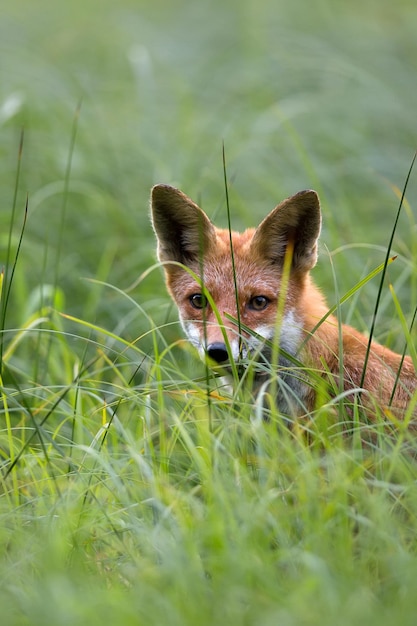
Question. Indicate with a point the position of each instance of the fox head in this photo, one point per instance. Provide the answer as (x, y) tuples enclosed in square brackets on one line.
[(227, 285)]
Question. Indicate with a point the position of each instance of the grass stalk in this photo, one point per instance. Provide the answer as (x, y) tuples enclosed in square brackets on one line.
[(232, 254), (384, 270)]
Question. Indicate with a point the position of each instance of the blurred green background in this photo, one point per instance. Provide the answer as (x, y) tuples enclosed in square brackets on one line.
[(304, 94), (163, 518)]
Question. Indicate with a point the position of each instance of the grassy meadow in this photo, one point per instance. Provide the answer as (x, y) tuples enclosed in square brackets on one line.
[(128, 493)]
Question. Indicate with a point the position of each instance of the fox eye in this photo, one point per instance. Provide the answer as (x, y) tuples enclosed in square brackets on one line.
[(198, 301), (258, 303)]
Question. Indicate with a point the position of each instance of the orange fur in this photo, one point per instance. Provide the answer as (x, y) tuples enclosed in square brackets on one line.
[(186, 236)]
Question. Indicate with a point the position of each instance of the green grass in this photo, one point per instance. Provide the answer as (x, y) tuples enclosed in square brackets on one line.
[(127, 493)]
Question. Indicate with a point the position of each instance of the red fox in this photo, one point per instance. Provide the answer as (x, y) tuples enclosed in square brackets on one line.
[(230, 289)]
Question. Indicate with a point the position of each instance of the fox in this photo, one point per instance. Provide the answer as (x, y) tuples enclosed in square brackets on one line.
[(250, 295)]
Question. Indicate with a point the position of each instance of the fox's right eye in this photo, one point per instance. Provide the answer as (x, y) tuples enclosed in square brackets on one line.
[(198, 301)]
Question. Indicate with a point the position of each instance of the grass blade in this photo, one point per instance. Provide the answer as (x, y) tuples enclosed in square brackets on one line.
[(6, 281), (384, 270), (229, 226)]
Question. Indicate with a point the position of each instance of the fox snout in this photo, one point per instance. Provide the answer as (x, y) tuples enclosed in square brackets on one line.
[(218, 352), (220, 343)]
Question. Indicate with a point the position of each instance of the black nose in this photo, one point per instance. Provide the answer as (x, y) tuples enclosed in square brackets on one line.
[(217, 351)]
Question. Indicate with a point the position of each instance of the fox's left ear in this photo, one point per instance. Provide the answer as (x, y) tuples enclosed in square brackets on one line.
[(294, 222)]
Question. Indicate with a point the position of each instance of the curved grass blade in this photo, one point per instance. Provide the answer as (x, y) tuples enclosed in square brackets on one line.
[(6, 281), (384, 270), (408, 343), (229, 226)]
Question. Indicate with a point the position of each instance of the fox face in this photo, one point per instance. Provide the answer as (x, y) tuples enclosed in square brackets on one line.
[(241, 273), (239, 293)]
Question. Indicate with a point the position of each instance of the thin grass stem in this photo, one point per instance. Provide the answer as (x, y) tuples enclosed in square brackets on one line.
[(229, 225), (7, 281), (384, 271)]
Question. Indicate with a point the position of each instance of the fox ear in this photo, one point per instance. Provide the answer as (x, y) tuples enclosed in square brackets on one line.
[(182, 229), (296, 221)]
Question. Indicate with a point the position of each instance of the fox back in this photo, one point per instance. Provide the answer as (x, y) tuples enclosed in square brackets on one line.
[(241, 295)]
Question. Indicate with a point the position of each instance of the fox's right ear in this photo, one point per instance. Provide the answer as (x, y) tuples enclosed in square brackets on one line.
[(183, 230)]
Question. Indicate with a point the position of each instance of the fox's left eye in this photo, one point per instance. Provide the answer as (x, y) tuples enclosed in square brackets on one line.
[(258, 303), (198, 301)]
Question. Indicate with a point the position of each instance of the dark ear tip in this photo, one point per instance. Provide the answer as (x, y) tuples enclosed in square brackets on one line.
[(161, 190), (308, 194)]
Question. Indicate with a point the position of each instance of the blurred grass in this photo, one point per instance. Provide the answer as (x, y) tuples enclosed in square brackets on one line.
[(127, 495)]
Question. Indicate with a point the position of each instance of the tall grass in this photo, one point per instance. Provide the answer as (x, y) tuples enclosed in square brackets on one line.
[(133, 487), (127, 494)]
